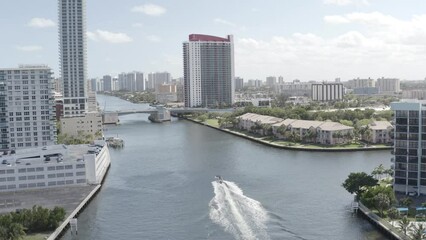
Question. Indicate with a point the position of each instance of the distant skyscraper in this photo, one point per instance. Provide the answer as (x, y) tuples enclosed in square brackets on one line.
[(388, 85), (26, 107), (327, 91), (280, 80), (72, 38), (239, 84), (208, 71), (140, 82), (158, 78), (107, 79), (271, 81)]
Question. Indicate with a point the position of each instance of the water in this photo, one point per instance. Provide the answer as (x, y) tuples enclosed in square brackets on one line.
[(161, 186)]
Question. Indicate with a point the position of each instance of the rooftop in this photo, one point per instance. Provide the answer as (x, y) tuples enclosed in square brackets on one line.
[(54, 154), (380, 125), (208, 38)]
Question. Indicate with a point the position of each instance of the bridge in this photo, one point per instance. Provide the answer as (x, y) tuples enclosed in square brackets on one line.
[(158, 114)]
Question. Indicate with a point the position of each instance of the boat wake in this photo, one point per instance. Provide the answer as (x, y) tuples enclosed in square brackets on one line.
[(243, 217)]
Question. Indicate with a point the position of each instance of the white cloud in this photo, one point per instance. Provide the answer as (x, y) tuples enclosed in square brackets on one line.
[(335, 19), (41, 23), (110, 37), (153, 38), (225, 22), (388, 46), (137, 25), (29, 48), (346, 2), (150, 9)]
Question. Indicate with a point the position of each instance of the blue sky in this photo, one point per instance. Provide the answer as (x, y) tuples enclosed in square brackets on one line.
[(303, 39)]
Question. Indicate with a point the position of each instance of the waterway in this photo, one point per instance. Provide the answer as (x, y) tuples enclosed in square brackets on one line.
[(161, 186)]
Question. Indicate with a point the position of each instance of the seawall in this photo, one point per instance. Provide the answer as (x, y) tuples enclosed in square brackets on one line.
[(60, 231), (385, 227), (254, 139)]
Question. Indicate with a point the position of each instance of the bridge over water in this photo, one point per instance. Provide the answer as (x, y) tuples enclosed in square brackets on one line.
[(158, 114)]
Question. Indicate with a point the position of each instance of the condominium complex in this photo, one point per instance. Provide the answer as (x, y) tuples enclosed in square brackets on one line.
[(132, 82), (26, 107), (271, 81), (208, 63), (388, 85), (327, 92), (155, 79), (108, 86), (295, 88), (410, 146), (361, 83), (73, 61), (239, 84)]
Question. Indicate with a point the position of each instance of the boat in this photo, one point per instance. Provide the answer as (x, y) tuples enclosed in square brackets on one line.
[(115, 142), (218, 178)]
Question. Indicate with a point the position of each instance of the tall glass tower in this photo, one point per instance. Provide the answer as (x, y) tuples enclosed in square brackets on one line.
[(73, 56)]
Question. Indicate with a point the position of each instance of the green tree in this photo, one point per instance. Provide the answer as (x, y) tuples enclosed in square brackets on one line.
[(357, 182), (382, 203), (393, 213), (406, 202), (378, 171)]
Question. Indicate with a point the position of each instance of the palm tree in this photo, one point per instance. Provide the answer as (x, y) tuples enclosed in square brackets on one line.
[(418, 232), (404, 224)]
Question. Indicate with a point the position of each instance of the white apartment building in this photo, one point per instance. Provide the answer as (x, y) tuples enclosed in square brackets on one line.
[(381, 132), (27, 107), (295, 88), (361, 83), (327, 92), (208, 63), (388, 85), (73, 60), (54, 166)]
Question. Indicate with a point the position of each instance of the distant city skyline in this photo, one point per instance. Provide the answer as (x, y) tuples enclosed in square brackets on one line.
[(306, 40)]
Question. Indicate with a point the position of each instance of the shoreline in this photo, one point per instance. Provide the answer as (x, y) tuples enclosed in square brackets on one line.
[(270, 144), (60, 231)]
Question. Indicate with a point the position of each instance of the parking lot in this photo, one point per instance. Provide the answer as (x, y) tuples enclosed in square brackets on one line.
[(66, 197)]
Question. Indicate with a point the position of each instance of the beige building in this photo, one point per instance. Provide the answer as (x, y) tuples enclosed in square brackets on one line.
[(91, 123), (414, 94), (381, 132), (327, 133), (388, 85)]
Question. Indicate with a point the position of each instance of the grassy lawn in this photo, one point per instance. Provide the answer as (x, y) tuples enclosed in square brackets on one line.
[(212, 122), (37, 236)]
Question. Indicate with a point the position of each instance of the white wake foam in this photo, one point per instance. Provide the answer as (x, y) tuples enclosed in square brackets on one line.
[(243, 217)]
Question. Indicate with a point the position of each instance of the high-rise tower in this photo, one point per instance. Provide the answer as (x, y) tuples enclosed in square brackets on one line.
[(208, 71), (73, 60)]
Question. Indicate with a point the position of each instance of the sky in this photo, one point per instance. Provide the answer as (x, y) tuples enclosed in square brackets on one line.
[(297, 39)]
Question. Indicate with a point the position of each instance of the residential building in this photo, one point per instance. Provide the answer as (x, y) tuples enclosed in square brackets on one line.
[(54, 166), (271, 81), (381, 132), (360, 83), (366, 91), (27, 107), (327, 133), (327, 92), (166, 93), (414, 94), (208, 71), (155, 79), (107, 80), (73, 60), (90, 123), (295, 88), (256, 102), (409, 146), (254, 83), (239, 84), (140, 82), (388, 85), (280, 80)]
